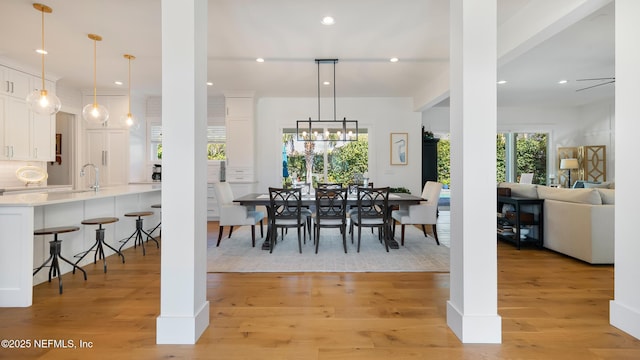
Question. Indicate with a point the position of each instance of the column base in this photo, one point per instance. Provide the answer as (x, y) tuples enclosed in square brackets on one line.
[(182, 329), (476, 329)]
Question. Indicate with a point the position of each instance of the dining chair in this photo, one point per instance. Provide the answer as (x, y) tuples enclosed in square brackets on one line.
[(305, 189), (526, 178), (331, 208), (285, 211), (328, 186), (371, 211), (425, 213), (232, 214)]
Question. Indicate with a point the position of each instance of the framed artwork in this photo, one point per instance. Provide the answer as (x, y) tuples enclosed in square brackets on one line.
[(399, 143)]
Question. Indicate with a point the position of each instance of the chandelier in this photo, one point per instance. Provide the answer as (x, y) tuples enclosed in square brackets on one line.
[(327, 130)]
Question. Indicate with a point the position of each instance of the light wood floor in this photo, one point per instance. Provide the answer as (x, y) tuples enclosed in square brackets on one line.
[(552, 307)]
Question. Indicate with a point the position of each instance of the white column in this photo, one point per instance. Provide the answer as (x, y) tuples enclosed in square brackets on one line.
[(625, 308), (184, 310), (472, 307)]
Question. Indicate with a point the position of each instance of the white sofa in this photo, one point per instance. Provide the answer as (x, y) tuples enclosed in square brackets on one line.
[(577, 222)]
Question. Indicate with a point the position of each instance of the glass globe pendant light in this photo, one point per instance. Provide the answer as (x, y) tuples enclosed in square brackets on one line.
[(129, 121), (41, 101), (95, 113)]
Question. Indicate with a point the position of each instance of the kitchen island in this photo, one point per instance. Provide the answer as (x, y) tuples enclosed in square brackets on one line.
[(21, 214)]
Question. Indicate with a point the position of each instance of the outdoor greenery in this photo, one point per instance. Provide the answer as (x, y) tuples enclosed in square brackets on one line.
[(216, 151), (531, 157), (343, 161), (444, 163)]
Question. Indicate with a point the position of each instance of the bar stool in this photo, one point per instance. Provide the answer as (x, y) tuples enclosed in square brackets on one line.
[(98, 245), (139, 231), (157, 206), (54, 251)]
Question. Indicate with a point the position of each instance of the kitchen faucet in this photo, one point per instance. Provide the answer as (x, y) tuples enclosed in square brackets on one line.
[(96, 184)]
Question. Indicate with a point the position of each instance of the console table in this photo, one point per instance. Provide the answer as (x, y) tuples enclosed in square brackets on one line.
[(519, 218)]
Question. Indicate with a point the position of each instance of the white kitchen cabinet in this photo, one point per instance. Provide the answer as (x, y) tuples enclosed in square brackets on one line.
[(109, 151), (43, 128), (213, 212), (240, 148), (117, 106), (15, 83), (25, 136), (16, 126)]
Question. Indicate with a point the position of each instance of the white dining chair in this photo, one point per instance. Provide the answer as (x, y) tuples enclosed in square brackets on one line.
[(425, 213), (232, 214)]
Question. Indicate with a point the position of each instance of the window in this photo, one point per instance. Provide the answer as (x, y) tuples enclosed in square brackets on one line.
[(155, 140), (519, 153), (324, 161), (216, 142)]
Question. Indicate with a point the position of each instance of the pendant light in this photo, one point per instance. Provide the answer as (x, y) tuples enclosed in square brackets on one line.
[(129, 121), (95, 113), (41, 101), (327, 130)]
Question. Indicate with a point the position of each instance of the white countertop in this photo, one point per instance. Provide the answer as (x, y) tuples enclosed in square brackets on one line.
[(57, 197)]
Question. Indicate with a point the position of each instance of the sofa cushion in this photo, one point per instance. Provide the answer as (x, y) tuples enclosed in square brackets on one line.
[(582, 196), (608, 196), (521, 190), (590, 185)]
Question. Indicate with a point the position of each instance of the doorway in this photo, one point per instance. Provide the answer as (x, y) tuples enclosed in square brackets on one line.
[(60, 170)]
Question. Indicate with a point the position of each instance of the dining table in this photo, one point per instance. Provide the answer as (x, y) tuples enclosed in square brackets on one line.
[(395, 200)]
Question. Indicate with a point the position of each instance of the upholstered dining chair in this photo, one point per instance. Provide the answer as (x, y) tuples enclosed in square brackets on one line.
[(331, 208), (425, 213), (232, 214), (371, 211), (285, 211)]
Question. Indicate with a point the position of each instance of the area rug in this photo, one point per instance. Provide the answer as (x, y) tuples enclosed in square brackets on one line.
[(419, 254)]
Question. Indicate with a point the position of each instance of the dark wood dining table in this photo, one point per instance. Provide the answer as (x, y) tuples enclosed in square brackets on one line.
[(262, 199)]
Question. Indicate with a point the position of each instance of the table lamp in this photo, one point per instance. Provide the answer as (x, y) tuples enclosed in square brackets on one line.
[(568, 164)]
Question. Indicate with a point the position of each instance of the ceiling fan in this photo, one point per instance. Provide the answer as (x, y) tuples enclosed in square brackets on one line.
[(602, 81)]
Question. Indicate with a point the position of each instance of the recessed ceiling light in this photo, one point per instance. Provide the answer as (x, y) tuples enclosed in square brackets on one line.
[(562, 82), (260, 60), (393, 59), (117, 82), (502, 82), (326, 83), (42, 51), (328, 20), (209, 83)]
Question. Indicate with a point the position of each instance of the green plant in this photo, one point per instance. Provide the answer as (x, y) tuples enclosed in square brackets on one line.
[(399, 190)]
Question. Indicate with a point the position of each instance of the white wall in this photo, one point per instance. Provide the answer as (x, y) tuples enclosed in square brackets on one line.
[(591, 124), (597, 123), (380, 115)]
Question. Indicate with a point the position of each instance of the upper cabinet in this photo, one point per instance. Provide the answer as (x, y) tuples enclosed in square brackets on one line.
[(117, 106), (15, 83), (240, 135), (25, 136)]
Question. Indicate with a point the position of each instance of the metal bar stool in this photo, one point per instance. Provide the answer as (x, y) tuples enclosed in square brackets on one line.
[(139, 231), (157, 206), (98, 245), (54, 251)]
